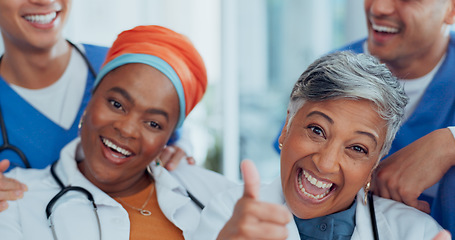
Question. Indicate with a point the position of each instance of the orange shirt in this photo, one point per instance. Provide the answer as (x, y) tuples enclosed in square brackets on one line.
[(155, 226)]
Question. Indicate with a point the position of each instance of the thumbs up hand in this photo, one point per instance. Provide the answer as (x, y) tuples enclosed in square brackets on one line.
[(253, 219)]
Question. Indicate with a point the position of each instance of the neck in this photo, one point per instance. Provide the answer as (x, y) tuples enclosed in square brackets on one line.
[(34, 68), (137, 186)]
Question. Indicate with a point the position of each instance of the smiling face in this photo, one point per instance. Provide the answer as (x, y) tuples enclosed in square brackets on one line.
[(328, 155), (400, 31), (33, 23), (128, 121)]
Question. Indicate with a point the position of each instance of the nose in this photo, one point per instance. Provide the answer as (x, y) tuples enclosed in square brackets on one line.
[(127, 126), (327, 159), (380, 7)]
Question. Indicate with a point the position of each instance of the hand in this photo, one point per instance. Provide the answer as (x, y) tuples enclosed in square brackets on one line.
[(443, 235), (10, 189), (253, 219), (172, 155), (404, 175)]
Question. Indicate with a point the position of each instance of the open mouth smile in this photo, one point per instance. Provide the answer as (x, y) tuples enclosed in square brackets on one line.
[(122, 153), (384, 29), (312, 187), (41, 18)]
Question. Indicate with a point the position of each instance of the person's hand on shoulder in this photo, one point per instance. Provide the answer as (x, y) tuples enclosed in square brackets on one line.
[(253, 219), (404, 175), (172, 155), (10, 189)]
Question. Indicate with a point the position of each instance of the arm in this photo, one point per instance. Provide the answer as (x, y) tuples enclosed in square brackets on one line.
[(404, 175), (10, 189)]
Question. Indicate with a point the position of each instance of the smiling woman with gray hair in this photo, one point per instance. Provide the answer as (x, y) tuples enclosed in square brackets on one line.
[(343, 114)]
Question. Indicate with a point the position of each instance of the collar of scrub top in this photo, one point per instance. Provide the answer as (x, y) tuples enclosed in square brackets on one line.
[(152, 61)]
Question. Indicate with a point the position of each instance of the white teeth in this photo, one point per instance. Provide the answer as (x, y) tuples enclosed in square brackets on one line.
[(316, 183), (384, 28), (110, 144), (41, 19)]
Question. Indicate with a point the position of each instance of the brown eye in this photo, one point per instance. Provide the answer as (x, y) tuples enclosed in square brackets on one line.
[(116, 104), (154, 125), (359, 149), (317, 130)]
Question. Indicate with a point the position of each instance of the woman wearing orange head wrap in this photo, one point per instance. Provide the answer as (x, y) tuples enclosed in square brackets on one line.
[(152, 78)]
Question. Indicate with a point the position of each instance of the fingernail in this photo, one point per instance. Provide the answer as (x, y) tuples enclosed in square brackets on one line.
[(3, 205), (170, 166), (24, 187), (19, 193)]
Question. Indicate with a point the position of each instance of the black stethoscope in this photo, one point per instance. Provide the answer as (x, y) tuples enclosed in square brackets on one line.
[(65, 189), (373, 216), (6, 144)]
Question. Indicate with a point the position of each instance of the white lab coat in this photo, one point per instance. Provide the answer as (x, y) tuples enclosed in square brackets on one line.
[(394, 220), (73, 214)]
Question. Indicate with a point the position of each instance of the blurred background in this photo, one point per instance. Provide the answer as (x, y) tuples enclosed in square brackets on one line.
[(254, 51)]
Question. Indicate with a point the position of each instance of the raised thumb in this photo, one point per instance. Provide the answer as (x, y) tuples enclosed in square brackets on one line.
[(251, 179)]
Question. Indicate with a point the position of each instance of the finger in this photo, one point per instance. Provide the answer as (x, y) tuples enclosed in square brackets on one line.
[(11, 195), (422, 206), (166, 154), (381, 189), (3, 206), (251, 179), (266, 230), (9, 184), (190, 160), (175, 159), (394, 195), (443, 235), (272, 213), (4, 164)]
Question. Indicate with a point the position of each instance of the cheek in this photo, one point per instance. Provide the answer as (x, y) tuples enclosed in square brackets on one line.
[(153, 145), (356, 175)]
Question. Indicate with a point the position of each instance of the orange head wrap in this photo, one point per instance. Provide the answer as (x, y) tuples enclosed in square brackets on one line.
[(167, 51)]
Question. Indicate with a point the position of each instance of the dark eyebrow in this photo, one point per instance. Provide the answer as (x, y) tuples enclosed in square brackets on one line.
[(122, 92), (158, 111), (128, 97), (320, 114)]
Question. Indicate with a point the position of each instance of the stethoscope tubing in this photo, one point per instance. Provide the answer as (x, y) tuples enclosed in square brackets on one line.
[(373, 216)]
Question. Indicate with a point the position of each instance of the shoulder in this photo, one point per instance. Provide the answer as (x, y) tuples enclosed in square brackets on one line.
[(356, 46), (95, 48), (95, 54), (404, 221)]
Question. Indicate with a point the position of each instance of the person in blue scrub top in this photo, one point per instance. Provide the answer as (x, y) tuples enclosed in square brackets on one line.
[(414, 40), (45, 84)]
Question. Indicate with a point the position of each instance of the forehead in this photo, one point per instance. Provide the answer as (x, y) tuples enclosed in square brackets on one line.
[(145, 84)]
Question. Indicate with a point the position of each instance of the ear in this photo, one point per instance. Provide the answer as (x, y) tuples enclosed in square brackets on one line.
[(450, 14), (284, 131)]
